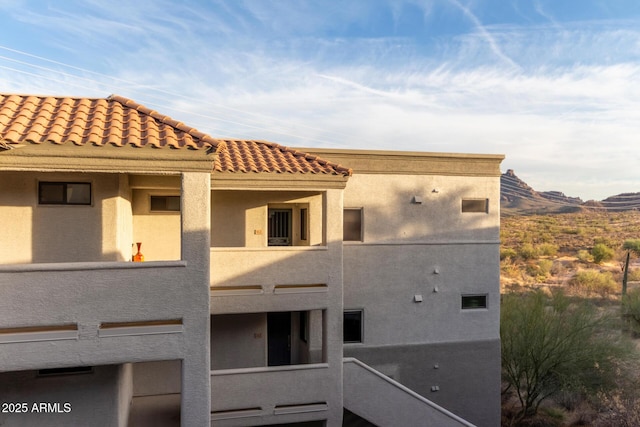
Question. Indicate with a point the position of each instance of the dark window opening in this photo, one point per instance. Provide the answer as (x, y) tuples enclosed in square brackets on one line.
[(64, 193), (279, 339), (470, 302), (352, 225), (76, 370), (279, 227), (475, 205), (165, 204), (352, 326)]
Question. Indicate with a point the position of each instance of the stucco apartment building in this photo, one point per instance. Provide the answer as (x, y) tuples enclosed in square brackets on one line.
[(279, 286)]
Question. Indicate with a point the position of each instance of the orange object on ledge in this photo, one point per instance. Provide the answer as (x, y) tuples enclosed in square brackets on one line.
[(138, 257)]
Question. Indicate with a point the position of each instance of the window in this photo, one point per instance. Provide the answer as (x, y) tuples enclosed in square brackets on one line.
[(352, 326), (470, 302), (475, 205), (64, 193), (279, 227), (352, 225), (165, 204)]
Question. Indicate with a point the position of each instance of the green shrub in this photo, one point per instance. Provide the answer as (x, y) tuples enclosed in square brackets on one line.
[(548, 249), (544, 268), (594, 282), (584, 256), (602, 253), (550, 345), (508, 253), (527, 252)]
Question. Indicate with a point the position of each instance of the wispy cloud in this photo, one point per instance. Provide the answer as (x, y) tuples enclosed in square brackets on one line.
[(486, 35), (547, 94)]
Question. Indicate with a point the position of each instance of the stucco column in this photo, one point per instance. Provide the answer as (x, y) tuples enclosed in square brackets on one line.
[(195, 229), (334, 312)]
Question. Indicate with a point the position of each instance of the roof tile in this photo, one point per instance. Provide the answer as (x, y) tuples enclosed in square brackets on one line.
[(119, 121), (262, 156), (36, 119)]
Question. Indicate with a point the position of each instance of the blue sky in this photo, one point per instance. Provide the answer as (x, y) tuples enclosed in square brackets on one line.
[(552, 84)]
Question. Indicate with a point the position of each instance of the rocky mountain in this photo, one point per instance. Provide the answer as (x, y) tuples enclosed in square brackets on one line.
[(517, 197)]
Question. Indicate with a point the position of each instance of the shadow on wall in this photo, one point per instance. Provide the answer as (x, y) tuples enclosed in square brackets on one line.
[(411, 213)]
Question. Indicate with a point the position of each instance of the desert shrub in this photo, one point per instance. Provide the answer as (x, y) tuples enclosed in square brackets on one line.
[(550, 345), (594, 282), (570, 231), (510, 269), (548, 249), (557, 269), (544, 266), (602, 253), (632, 245), (634, 275), (584, 256), (631, 310), (508, 253), (527, 251)]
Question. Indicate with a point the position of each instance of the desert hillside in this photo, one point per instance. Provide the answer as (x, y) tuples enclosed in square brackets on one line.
[(517, 197)]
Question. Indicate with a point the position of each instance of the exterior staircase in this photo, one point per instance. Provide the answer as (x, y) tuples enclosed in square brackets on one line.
[(383, 401)]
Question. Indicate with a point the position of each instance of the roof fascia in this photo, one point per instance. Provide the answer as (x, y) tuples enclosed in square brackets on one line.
[(414, 163), (276, 181), (88, 158)]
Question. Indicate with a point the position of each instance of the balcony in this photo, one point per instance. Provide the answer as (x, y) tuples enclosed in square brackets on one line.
[(253, 396), (77, 314)]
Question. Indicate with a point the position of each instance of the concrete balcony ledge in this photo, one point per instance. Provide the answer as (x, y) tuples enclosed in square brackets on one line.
[(85, 266), (261, 369), (269, 249), (268, 395)]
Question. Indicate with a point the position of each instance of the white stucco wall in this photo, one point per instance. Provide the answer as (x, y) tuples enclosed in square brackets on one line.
[(159, 377), (100, 398)]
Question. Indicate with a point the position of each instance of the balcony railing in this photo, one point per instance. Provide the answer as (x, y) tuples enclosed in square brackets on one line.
[(250, 393), (95, 312), (272, 265)]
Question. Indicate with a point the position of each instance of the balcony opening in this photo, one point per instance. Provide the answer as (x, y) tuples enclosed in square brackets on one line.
[(156, 223), (279, 227), (267, 339), (263, 219)]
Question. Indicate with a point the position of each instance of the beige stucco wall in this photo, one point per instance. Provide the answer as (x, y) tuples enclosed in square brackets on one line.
[(434, 251), (265, 268), (50, 233), (413, 249), (239, 218), (159, 232), (87, 294), (238, 340), (391, 216)]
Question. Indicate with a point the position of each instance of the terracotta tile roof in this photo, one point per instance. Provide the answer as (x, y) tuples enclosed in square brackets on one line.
[(262, 156), (119, 121), (116, 121)]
